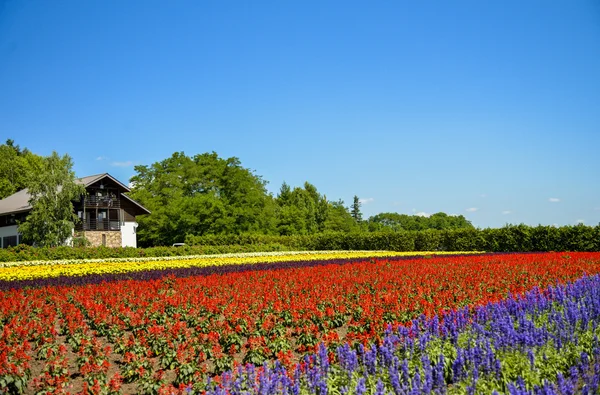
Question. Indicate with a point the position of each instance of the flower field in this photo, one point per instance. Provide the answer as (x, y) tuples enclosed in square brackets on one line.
[(30, 270), (356, 324)]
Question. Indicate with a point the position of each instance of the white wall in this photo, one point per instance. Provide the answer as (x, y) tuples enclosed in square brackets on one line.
[(8, 231), (128, 234)]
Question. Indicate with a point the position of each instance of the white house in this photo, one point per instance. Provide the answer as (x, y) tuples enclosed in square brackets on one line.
[(107, 214)]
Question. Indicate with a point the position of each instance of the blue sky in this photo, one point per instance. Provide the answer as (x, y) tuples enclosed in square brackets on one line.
[(489, 109)]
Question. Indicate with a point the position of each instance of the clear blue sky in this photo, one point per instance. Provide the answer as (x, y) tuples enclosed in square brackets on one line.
[(489, 109)]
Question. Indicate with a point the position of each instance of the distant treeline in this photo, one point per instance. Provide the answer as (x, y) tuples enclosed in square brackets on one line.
[(208, 195), (209, 201)]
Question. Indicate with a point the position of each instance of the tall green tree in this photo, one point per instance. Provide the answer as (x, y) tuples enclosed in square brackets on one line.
[(355, 209), (301, 210), (52, 191), (339, 219), (199, 195), (17, 167)]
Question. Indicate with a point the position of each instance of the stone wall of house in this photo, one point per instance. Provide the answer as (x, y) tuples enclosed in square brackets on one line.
[(113, 239)]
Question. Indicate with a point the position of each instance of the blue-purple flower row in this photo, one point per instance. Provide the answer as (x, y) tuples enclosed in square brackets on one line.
[(545, 342)]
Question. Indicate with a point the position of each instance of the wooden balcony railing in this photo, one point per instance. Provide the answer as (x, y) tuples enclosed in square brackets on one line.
[(94, 224), (102, 201)]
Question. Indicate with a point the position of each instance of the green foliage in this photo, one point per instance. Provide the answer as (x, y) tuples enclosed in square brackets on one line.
[(355, 209), (508, 239), (304, 211), (17, 167), (52, 190), (208, 195), (397, 222), (339, 219), (23, 252), (511, 238), (81, 241), (203, 194)]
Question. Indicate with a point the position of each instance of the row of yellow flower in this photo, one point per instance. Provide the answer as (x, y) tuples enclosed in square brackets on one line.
[(16, 271)]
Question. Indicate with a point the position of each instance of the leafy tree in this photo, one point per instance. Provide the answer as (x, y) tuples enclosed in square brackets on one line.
[(199, 195), (285, 193), (301, 210), (355, 209), (17, 167), (339, 219), (398, 222), (52, 189)]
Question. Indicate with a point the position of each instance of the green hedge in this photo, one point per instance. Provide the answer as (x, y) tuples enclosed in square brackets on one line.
[(516, 238), (24, 252), (513, 238)]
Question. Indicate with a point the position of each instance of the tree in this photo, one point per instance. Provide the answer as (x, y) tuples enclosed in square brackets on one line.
[(52, 191), (355, 209), (301, 210), (17, 167), (199, 195), (397, 222), (339, 219)]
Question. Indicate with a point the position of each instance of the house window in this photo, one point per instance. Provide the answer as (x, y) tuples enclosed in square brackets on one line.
[(9, 241)]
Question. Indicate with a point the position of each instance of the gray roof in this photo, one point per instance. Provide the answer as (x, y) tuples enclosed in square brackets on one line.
[(89, 180), (15, 203), (19, 202)]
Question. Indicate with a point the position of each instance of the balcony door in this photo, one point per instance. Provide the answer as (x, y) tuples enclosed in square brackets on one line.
[(101, 219)]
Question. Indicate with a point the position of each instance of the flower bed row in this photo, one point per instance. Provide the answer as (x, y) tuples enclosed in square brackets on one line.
[(28, 270), (178, 331), (544, 342), (176, 272)]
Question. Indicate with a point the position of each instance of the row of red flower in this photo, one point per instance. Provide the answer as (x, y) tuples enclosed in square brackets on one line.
[(180, 329)]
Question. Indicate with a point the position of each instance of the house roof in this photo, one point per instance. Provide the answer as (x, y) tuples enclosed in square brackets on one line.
[(89, 180), (19, 202), (15, 203)]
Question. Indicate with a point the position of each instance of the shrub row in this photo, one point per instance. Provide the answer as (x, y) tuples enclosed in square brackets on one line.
[(512, 238), (517, 238), (24, 252)]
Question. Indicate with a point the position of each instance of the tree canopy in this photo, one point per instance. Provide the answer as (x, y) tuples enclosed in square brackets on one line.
[(304, 211), (52, 189), (396, 222), (203, 194), (17, 167), (206, 194)]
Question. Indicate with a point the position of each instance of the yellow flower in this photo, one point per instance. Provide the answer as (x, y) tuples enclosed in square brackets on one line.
[(15, 271)]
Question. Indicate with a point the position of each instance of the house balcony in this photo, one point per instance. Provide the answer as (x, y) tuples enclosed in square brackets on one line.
[(102, 202), (101, 224)]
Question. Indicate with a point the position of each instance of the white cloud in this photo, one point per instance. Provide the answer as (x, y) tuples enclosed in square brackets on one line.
[(366, 200), (122, 164), (554, 200), (506, 212), (422, 214), (131, 184), (472, 209), (101, 158), (580, 221)]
